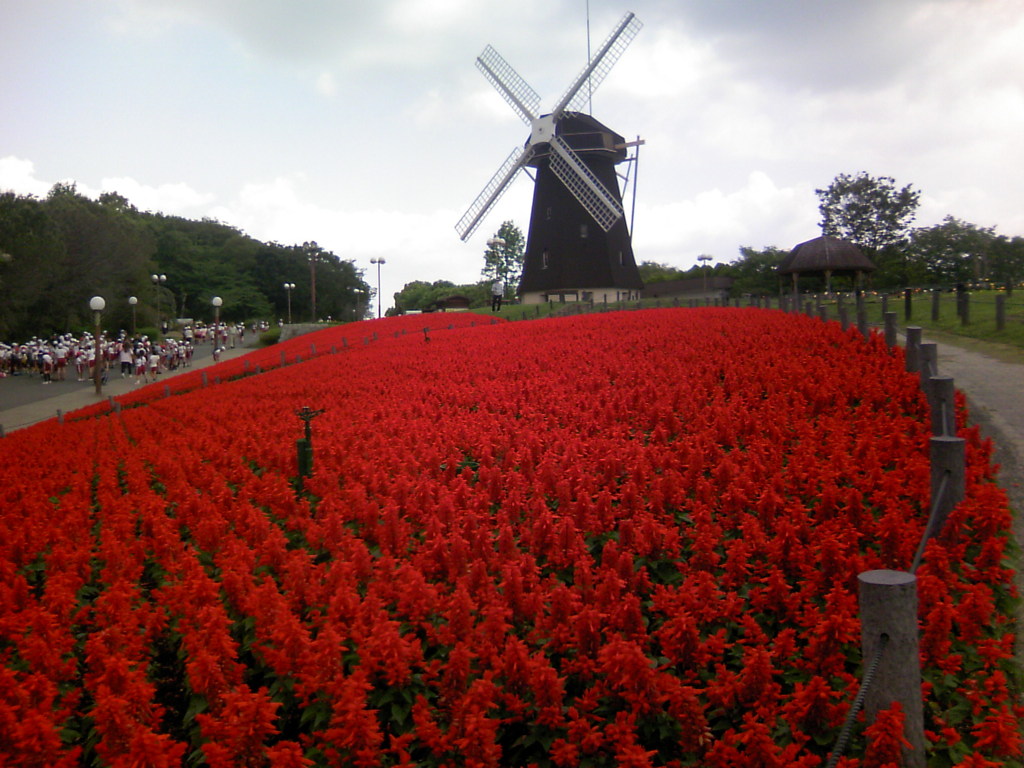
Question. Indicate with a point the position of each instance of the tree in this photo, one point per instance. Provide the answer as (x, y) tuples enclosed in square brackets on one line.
[(655, 272), (754, 272), (505, 262), (65, 248), (1007, 261), (874, 215), (953, 252), (867, 211)]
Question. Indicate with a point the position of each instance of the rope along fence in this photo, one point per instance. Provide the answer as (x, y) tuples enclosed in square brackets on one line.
[(888, 599)]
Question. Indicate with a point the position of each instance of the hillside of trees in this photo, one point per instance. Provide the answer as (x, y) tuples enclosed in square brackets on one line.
[(57, 252)]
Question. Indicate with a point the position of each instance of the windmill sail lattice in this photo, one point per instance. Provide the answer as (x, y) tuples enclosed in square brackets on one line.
[(600, 65), (584, 185), (593, 196), (509, 84)]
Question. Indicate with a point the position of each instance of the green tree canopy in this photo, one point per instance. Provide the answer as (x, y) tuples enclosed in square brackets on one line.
[(505, 262), (754, 272), (868, 211), (656, 272), (66, 247)]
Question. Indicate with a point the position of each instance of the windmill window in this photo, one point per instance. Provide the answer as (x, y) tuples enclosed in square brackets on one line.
[(544, 259), (622, 261), (549, 213), (583, 231)]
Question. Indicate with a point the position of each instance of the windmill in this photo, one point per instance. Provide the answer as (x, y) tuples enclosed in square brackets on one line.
[(576, 186)]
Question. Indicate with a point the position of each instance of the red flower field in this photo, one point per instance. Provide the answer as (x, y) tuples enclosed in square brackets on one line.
[(626, 539)]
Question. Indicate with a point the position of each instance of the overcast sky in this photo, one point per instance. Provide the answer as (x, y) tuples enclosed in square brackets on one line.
[(366, 126)]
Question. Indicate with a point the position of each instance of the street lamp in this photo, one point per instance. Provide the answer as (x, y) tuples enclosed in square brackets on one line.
[(378, 262), (97, 304), (158, 280), (217, 302), (133, 301), (705, 258), (313, 254), (288, 288)]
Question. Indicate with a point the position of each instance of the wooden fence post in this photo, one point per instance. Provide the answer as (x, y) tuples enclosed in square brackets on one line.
[(927, 361), (949, 474), (1000, 311), (890, 329), (888, 617), (912, 353), (936, 295), (942, 403)]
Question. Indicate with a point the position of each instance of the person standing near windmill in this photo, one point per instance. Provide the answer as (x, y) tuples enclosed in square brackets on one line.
[(497, 294)]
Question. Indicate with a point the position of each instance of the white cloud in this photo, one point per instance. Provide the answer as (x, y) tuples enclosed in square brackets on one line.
[(19, 176), (172, 198), (326, 84)]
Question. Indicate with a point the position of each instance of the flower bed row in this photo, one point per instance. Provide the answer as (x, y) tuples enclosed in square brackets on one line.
[(625, 539), (329, 340)]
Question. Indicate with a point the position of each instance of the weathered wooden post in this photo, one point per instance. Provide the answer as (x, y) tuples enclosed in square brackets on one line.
[(282, 358), (942, 404), (841, 311), (862, 319), (885, 304), (1000, 311), (60, 416), (928, 366), (890, 329), (936, 295), (908, 304), (913, 343), (204, 379), (888, 618), (949, 478), (167, 390)]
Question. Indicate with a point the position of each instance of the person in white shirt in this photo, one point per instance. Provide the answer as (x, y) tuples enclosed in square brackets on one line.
[(497, 294)]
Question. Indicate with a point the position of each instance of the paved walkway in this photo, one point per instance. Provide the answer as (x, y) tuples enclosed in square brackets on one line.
[(995, 400), (25, 400)]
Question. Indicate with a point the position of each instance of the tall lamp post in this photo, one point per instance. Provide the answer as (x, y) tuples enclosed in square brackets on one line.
[(158, 280), (497, 244), (313, 254), (217, 301), (705, 258), (288, 288), (97, 304), (133, 301), (378, 262)]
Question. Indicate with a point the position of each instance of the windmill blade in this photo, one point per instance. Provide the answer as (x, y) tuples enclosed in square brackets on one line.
[(493, 191), (599, 66), (584, 185), (509, 84)]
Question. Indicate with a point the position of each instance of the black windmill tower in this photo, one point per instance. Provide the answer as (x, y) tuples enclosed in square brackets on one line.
[(578, 247)]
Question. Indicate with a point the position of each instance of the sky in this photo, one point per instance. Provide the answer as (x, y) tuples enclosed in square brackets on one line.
[(366, 127)]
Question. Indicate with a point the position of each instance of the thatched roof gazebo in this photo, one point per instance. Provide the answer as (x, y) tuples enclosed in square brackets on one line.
[(828, 256)]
